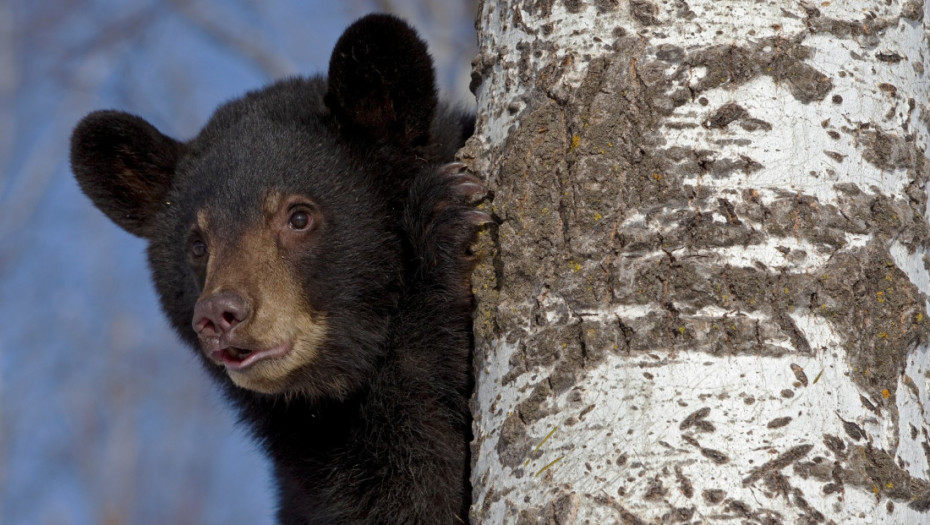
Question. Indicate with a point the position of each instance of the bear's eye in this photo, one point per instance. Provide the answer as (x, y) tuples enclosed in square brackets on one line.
[(198, 248), (299, 220)]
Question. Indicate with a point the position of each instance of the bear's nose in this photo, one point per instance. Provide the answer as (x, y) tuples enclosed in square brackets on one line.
[(217, 314)]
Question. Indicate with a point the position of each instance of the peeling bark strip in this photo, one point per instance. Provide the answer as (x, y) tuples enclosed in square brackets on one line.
[(711, 270)]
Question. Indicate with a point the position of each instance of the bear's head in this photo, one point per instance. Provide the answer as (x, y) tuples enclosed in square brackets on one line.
[(273, 234)]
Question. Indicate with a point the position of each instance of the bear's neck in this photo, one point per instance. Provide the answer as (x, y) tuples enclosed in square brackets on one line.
[(300, 428)]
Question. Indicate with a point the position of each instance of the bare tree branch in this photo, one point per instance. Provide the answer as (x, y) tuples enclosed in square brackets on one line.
[(243, 40)]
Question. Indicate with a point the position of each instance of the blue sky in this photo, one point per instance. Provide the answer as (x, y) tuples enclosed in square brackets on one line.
[(104, 416)]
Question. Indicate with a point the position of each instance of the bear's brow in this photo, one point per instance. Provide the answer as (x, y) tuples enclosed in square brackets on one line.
[(272, 202), (203, 220)]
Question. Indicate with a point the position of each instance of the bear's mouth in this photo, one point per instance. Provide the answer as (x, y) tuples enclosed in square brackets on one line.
[(236, 358)]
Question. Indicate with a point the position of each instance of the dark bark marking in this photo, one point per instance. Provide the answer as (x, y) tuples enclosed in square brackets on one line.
[(783, 460), (811, 515), (684, 483), (835, 444), (780, 58), (890, 57), (913, 10), (695, 419), (644, 12), (655, 490), (724, 115), (852, 430), (870, 406), (573, 6), (713, 496), (875, 470), (715, 455), (778, 422), (799, 374)]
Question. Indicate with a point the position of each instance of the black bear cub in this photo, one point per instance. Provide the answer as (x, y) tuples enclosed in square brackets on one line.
[(312, 246)]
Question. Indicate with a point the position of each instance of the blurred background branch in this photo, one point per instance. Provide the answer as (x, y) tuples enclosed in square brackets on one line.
[(239, 38)]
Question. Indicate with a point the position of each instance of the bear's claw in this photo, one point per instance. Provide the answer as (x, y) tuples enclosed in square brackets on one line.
[(442, 222)]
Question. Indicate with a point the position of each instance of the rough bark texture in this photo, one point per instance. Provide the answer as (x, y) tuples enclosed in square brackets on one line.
[(706, 299)]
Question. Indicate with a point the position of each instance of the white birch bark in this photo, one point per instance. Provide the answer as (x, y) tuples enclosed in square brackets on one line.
[(707, 297)]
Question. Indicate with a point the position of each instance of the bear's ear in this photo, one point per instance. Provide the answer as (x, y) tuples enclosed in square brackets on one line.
[(381, 82), (125, 166)]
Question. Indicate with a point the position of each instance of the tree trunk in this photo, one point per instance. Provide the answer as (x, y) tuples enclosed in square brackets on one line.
[(707, 297)]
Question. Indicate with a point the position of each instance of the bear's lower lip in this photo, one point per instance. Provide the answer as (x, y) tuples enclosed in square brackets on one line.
[(240, 358)]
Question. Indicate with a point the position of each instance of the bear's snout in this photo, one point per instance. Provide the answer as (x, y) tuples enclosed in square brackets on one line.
[(217, 314)]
